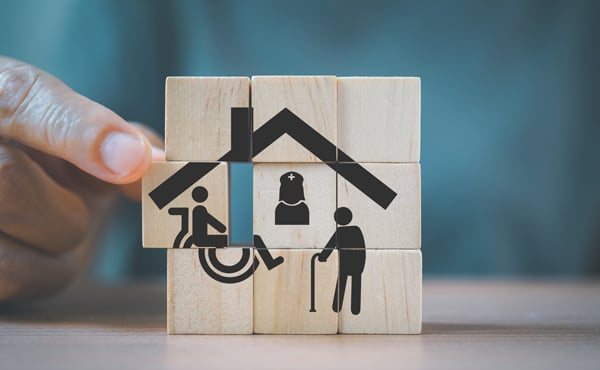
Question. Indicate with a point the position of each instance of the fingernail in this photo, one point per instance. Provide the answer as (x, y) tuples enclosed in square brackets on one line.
[(123, 153), (158, 154)]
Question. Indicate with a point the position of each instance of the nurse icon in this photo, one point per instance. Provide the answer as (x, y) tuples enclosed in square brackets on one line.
[(291, 210)]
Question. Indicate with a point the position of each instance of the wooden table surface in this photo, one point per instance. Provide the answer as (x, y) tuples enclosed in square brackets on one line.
[(467, 325)]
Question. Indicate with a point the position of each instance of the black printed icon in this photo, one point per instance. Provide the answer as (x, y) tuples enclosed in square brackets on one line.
[(350, 239), (350, 242), (242, 269), (284, 122), (201, 220), (313, 282), (292, 208), (228, 274)]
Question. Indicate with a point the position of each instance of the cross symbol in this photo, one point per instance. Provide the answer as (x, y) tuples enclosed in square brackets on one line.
[(291, 177)]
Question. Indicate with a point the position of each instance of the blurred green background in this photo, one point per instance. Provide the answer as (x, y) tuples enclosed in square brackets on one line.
[(510, 106)]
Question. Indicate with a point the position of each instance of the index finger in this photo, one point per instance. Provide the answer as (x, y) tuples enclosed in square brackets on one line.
[(40, 111)]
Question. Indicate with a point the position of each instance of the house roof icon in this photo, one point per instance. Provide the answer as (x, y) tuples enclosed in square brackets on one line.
[(284, 122)]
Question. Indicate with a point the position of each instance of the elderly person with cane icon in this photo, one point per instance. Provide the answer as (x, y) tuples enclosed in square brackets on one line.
[(350, 242)]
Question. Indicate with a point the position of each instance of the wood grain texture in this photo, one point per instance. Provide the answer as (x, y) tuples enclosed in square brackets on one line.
[(282, 295), (197, 304), (551, 323), (319, 184), (198, 115), (159, 228), (312, 98), (391, 295), (398, 226), (379, 118)]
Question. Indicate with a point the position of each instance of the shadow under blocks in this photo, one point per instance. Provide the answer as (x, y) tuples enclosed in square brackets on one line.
[(335, 246)]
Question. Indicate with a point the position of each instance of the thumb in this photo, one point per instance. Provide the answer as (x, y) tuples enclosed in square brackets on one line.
[(38, 110)]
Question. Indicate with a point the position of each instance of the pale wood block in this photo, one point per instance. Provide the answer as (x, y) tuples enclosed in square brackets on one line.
[(391, 286), (162, 227), (199, 304), (282, 296), (379, 118), (399, 225), (312, 98), (312, 216), (198, 116)]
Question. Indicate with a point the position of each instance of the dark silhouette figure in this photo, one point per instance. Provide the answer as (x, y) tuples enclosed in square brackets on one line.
[(201, 219), (350, 242), (291, 210)]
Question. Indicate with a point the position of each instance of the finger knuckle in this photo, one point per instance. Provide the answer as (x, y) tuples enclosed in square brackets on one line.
[(27, 93), (17, 86)]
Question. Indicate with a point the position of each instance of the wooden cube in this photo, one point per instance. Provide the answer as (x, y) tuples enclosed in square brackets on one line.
[(294, 204), (170, 225), (283, 301), (311, 128), (390, 294), (199, 304), (199, 122), (379, 118), (399, 225)]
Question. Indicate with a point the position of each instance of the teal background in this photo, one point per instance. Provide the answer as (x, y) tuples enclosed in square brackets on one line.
[(510, 122)]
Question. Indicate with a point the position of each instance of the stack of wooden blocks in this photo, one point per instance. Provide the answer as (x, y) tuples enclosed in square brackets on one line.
[(336, 205)]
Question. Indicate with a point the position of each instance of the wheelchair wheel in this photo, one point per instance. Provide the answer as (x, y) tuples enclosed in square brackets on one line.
[(228, 274)]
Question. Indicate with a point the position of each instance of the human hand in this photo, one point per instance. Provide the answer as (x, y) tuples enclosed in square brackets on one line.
[(62, 160)]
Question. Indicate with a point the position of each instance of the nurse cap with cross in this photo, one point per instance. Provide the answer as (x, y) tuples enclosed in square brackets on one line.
[(291, 188)]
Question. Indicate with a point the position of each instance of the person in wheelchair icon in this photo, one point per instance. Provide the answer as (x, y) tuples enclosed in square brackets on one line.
[(208, 243), (201, 219)]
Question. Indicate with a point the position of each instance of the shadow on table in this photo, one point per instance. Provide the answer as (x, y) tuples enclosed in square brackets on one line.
[(122, 306)]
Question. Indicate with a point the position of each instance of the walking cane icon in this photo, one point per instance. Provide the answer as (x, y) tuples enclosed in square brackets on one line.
[(312, 282)]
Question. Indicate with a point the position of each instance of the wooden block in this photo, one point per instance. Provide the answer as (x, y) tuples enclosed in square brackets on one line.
[(398, 226), (294, 204), (379, 118), (282, 296), (390, 299), (199, 304), (311, 98), (198, 117), (172, 225)]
